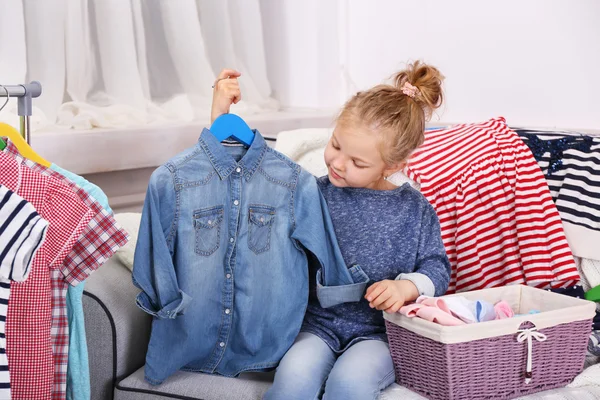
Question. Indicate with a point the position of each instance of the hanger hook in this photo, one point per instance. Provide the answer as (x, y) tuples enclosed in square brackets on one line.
[(7, 97)]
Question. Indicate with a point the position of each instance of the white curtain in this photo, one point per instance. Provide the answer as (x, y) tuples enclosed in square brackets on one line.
[(121, 63)]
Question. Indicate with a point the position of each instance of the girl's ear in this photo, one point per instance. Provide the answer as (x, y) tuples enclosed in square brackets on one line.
[(392, 169)]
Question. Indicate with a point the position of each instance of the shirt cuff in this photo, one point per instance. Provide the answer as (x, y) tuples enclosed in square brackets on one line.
[(330, 296), (423, 283), (169, 311)]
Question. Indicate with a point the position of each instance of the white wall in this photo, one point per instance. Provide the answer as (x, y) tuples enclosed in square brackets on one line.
[(535, 62), (301, 46)]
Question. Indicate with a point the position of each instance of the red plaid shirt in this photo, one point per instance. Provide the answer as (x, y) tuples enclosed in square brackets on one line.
[(99, 241), (29, 319)]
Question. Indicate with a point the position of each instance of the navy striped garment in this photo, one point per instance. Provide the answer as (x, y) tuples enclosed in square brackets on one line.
[(22, 232), (571, 165)]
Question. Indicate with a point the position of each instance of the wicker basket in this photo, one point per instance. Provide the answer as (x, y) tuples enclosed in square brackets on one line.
[(485, 360)]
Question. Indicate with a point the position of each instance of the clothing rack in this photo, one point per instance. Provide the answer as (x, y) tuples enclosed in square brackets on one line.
[(24, 93)]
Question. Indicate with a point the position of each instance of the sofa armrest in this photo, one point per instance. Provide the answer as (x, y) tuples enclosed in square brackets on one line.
[(117, 331)]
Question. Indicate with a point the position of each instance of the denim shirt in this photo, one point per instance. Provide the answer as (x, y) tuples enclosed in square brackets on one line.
[(222, 260)]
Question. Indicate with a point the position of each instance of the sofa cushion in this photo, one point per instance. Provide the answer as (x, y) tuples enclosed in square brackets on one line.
[(192, 385)]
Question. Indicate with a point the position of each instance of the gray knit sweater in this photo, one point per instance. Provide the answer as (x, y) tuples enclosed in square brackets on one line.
[(390, 234)]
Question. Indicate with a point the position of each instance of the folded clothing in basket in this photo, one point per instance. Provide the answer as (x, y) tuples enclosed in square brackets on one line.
[(457, 310), (471, 311), (433, 309)]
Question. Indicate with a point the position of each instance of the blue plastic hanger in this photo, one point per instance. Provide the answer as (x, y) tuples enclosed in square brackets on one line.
[(230, 125)]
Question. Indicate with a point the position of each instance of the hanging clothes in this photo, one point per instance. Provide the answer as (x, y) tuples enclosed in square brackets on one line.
[(221, 256), (22, 233), (571, 164), (97, 243), (92, 246), (78, 369), (499, 224), (29, 319)]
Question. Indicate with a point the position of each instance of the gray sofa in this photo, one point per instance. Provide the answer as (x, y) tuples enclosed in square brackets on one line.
[(117, 336)]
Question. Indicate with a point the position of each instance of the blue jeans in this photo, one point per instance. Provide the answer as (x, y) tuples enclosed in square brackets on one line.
[(310, 366)]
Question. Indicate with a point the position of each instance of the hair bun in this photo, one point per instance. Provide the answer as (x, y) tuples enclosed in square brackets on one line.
[(428, 82)]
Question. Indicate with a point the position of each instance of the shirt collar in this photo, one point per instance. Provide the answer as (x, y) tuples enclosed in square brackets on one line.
[(12, 149), (224, 163)]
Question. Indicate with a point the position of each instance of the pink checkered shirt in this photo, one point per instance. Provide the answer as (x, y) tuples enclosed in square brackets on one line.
[(99, 241), (29, 319)]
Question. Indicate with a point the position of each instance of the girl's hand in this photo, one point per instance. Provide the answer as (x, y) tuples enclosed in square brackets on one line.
[(390, 295), (225, 93)]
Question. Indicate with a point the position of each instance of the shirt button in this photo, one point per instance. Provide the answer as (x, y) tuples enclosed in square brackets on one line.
[(235, 202), (238, 169), (228, 276), (231, 240), (227, 311), (222, 344)]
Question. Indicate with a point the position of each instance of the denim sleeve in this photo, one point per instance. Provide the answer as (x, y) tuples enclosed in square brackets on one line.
[(336, 283), (432, 261), (153, 269)]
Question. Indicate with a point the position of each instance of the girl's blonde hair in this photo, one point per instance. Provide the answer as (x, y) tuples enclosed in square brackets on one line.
[(398, 111)]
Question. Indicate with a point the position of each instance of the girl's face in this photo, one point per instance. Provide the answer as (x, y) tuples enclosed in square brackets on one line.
[(353, 159)]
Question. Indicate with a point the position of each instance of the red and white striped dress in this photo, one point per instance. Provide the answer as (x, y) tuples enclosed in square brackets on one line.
[(498, 222)]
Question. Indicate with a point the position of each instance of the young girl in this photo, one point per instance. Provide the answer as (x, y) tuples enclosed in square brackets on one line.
[(392, 232)]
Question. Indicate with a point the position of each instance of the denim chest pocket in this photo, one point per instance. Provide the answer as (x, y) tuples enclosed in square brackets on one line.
[(260, 221), (207, 224)]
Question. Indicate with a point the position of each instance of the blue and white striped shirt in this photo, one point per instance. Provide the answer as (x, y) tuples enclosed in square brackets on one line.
[(22, 233)]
